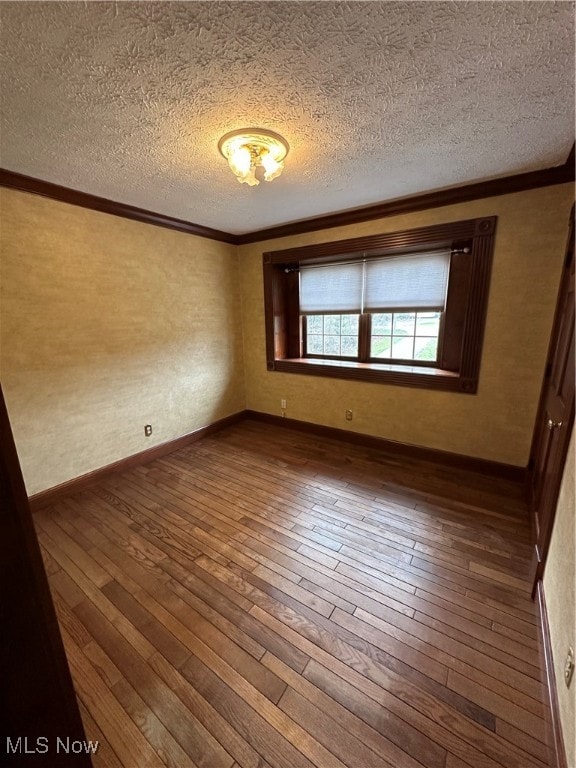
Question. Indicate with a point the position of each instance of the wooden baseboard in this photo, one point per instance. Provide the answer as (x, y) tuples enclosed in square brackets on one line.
[(404, 450), (556, 740), (77, 484)]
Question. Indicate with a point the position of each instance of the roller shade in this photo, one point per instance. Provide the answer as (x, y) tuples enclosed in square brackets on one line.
[(334, 288), (407, 282), (414, 281)]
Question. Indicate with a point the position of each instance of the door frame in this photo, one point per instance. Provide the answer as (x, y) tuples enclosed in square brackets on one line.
[(552, 489), (41, 705)]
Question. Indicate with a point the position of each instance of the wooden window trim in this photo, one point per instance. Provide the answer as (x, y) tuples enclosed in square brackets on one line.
[(364, 333), (467, 303)]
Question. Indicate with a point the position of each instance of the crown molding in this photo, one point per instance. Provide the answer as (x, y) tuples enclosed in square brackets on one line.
[(18, 181), (560, 174)]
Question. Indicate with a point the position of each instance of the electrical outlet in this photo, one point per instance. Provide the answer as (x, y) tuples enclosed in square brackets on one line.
[(283, 404), (348, 414), (569, 667), (148, 430)]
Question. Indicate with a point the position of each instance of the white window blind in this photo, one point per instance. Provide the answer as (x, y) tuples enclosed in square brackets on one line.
[(331, 289), (407, 282), (416, 281)]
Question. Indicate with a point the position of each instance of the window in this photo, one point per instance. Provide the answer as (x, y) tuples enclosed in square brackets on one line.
[(405, 308), (405, 336), (331, 336), (411, 336), (388, 308)]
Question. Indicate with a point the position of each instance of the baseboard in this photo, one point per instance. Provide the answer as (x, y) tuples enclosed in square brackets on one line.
[(77, 484), (404, 450), (556, 740)]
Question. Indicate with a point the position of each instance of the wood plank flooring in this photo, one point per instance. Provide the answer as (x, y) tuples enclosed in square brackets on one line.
[(268, 599)]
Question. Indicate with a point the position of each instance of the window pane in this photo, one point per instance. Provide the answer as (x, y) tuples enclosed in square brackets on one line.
[(403, 347), (404, 324), (350, 346), (380, 346), (428, 323), (331, 345), (314, 344), (425, 348), (382, 323), (332, 324), (350, 324), (314, 324)]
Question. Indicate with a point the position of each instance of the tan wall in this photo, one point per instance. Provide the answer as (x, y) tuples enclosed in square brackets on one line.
[(496, 423), (107, 325), (560, 593)]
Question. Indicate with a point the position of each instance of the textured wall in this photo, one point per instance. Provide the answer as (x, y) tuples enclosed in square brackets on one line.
[(560, 592), (496, 423), (107, 325)]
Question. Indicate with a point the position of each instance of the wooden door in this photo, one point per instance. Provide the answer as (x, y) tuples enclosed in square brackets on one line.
[(555, 415), (36, 694)]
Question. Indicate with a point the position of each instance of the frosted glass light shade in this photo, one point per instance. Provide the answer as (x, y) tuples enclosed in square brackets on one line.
[(239, 161), (272, 168)]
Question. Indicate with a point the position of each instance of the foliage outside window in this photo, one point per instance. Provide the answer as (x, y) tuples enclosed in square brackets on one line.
[(405, 308)]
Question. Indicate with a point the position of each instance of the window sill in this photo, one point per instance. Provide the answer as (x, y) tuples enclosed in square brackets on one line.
[(383, 373)]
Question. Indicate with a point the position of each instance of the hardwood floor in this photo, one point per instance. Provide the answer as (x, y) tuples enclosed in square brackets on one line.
[(264, 598)]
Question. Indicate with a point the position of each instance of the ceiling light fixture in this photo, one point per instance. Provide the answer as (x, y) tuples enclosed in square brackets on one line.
[(251, 148)]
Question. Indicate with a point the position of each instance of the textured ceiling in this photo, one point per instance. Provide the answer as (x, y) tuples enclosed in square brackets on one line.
[(378, 100)]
